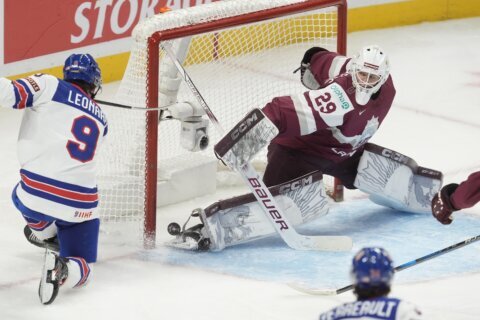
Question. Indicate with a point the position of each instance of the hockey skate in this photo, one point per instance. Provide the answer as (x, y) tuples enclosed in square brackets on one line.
[(51, 243), (188, 238), (54, 274)]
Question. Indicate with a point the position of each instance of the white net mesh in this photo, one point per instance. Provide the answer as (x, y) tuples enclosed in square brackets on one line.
[(235, 69)]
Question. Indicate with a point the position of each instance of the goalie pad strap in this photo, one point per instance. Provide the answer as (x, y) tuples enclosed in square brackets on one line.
[(400, 158)]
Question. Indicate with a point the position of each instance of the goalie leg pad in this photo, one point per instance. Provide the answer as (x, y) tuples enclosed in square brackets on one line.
[(396, 181), (241, 219)]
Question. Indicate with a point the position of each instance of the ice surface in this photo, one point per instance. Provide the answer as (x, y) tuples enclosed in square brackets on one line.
[(435, 120)]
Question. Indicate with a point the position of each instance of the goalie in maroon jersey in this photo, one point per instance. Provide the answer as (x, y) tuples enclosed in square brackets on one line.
[(454, 197), (327, 127), (323, 130)]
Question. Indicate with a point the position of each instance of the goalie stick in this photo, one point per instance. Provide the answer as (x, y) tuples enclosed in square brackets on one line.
[(327, 292), (257, 187)]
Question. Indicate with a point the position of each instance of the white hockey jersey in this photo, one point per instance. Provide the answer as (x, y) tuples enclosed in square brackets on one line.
[(374, 309), (61, 132)]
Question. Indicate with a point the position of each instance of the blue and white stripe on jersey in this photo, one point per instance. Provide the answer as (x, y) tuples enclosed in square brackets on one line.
[(57, 191)]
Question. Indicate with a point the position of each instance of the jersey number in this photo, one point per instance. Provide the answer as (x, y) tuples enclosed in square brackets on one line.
[(324, 104), (86, 132)]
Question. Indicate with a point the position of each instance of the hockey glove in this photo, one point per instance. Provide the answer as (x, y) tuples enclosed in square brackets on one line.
[(442, 207), (306, 75)]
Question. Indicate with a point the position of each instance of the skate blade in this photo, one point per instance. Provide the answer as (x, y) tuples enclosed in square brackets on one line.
[(46, 289)]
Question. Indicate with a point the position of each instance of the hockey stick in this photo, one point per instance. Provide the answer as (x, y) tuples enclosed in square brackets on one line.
[(325, 292), (261, 192), (118, 105)]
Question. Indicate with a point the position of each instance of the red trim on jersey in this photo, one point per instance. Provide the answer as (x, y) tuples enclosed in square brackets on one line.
[(38, 225), (73, 195), (23, 95)]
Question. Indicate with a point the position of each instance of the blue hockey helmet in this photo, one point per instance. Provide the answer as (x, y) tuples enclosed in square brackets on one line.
[(372, 268), (83, 67)]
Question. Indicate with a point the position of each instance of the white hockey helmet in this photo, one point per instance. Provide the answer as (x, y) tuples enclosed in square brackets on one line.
[(369, 69)]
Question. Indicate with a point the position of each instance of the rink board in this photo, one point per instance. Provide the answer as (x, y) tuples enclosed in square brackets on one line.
[(406, 236)]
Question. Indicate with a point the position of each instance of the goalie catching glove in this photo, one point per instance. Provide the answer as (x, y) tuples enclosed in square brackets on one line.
[(246, 139), (306, 75)]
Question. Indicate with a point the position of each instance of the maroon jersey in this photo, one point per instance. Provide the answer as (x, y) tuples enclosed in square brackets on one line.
[(328, 122), (468, 192)]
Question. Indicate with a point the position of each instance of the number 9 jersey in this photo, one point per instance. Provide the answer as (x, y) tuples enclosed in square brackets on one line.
[(61, 131)]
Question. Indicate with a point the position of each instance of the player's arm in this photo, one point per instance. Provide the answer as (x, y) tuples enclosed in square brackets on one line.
[(21, 93), (454, 197), (468, 192), (7, 97), (320, 65)]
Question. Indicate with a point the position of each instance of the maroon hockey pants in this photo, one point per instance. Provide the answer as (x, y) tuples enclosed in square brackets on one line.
[(285, 164)]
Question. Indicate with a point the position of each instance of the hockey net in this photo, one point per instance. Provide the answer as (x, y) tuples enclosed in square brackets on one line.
[(239, 54)]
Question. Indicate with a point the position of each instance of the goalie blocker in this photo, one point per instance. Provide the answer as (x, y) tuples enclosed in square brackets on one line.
[(246, 139), (241, 219)]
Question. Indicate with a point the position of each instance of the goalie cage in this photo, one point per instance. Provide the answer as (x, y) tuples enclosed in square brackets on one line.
[(240, 54)]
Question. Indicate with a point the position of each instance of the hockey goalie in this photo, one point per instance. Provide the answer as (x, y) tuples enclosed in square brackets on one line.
[(325, 130)]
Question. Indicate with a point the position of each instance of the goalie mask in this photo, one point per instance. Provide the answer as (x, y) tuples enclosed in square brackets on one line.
[(369, 70)]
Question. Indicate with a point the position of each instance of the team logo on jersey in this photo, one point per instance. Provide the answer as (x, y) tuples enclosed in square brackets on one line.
[(341, 95), (359, 139)]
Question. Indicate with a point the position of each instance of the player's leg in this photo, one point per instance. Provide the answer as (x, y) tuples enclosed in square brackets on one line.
[(395, 180), (41, 234), (346, 170), (284, 165), (40, 229), (54, 273), (71, 268), (79, 239), (240, 219)]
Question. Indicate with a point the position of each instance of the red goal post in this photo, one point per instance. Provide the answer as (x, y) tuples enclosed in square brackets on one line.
[(225, 40)]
